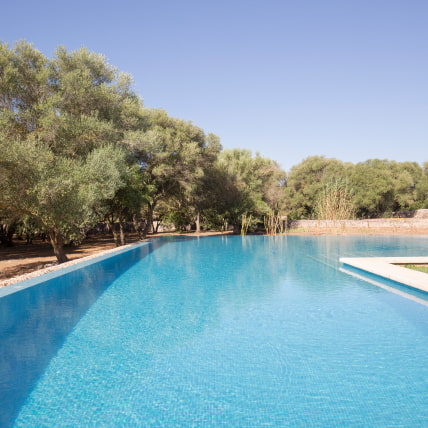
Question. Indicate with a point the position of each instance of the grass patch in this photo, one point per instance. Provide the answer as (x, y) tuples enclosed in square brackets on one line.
[(419, 268)]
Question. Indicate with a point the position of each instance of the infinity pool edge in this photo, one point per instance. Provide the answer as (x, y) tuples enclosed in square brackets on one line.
[(21, 282)]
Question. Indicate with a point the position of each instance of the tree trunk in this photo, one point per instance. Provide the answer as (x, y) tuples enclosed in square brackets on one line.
[(149, 222), (114, 227), (137, 226), (6, 235), (116, 233), (10, 232), (57, 243), (155, 229), (121, 233)]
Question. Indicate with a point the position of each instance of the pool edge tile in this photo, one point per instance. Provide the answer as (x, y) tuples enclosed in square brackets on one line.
[(386, 267)]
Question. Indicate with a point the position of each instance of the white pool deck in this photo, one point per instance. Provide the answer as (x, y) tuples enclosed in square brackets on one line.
[(387, 267)]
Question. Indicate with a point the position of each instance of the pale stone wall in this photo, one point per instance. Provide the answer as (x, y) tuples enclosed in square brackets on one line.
[(421, 214), (394, 224)]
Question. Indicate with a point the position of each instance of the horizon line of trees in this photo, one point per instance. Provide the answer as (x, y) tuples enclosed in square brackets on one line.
[(78, 147)]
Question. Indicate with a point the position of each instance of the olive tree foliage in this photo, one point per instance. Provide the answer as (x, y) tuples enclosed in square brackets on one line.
[(62, 125), (193, 204), (306, 181), (379, 187), (421, 189), (196, 197), (172, 155), (384, 186), (242, 185), (60, 193), (125, 206)]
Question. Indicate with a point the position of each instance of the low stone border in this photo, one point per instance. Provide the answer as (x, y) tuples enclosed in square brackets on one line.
[(415, 225)]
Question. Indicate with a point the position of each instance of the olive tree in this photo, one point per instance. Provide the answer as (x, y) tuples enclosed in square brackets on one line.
[(306, 181), (172, 154), (243, 184), (60, 193), (384, 186), (62, 127)]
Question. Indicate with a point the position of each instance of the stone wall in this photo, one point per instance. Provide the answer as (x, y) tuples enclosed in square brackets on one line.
[(419, 222), (421, 214)]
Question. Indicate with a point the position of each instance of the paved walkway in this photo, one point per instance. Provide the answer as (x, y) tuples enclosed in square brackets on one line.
[(387, 267)]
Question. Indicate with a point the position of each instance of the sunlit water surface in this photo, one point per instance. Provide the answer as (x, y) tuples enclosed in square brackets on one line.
[(219, 331)]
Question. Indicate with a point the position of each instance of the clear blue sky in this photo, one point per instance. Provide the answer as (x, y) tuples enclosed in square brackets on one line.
[(289, 79)]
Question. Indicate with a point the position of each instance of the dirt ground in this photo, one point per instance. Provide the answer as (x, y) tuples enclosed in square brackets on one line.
[(23, 258)]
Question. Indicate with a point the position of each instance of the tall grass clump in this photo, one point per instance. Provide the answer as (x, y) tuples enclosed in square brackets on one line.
[(336, 201), (274, 224), (246, 223)]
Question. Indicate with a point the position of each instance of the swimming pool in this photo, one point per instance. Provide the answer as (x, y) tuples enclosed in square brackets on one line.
[(218, 331)]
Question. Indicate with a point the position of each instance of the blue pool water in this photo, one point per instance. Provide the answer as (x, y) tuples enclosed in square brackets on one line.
[(218, 331)]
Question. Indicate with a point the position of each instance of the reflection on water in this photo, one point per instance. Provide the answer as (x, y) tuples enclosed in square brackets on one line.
[(228, 330), (35, 321), (400, 289)]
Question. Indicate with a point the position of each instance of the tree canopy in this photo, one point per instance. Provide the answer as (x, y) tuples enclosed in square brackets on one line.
[(62, 129), (377, 186)]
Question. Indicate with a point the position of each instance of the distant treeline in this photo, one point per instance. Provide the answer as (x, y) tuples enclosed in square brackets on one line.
[(78, 147)]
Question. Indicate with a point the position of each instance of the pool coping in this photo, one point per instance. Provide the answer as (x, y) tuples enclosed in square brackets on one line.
[(387, 267)]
